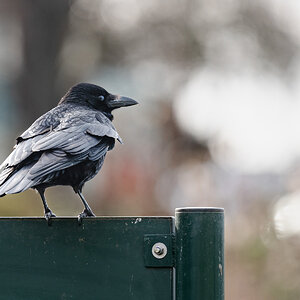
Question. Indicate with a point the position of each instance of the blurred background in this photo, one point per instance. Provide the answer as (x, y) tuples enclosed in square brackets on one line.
[(218, 122)]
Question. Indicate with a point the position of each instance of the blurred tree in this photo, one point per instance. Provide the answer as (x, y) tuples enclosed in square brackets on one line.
[(44, 26)]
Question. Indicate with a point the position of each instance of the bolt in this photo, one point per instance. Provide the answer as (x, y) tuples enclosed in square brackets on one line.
[(158, 250)]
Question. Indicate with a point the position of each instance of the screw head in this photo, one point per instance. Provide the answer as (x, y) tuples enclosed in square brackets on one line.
[(159, 250)]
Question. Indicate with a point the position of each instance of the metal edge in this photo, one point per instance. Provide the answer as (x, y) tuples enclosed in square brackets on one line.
[(199, 210)]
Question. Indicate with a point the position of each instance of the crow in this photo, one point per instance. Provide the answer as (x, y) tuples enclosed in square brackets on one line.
[(65, 146)]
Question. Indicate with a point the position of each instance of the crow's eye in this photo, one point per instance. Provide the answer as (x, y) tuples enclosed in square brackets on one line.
[(101, 98)]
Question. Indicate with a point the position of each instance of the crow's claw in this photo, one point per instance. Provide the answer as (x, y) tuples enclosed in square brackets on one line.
[(85, 214), (48, 215)]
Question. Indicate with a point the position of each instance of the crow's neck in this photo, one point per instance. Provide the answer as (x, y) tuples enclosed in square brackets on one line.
[(108, 115), (73, 97)]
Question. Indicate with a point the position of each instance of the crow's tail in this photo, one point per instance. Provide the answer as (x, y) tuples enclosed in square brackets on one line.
[(13, 181)]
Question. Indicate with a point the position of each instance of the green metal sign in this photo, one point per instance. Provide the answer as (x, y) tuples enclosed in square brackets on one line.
[(113, 258)]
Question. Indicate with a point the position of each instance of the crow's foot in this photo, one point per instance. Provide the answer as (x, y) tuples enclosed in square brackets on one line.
[(85, 214), (48, 215)]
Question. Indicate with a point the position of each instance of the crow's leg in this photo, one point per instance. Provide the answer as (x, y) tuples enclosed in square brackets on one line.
[(87, 210), (48, 213)]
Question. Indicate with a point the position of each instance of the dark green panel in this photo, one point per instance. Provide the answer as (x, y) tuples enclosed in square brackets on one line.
[(102, 259), (199, 253)]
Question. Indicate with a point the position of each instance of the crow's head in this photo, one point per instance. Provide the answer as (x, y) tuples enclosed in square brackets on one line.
[(96, 96)]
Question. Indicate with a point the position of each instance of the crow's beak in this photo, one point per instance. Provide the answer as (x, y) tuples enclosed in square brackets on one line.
[(120, 101)]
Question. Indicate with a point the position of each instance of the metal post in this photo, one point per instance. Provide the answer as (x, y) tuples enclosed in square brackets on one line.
[(199, 253)]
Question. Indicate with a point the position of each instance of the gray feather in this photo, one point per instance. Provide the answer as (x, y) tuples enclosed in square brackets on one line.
[(17, 183)]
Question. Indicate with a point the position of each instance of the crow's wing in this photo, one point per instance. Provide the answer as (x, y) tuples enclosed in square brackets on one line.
[(75, 139), (58, 160), (20, 153), (40, 127), (71, 153), (49, 163), (44, 123), (61, 128)]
